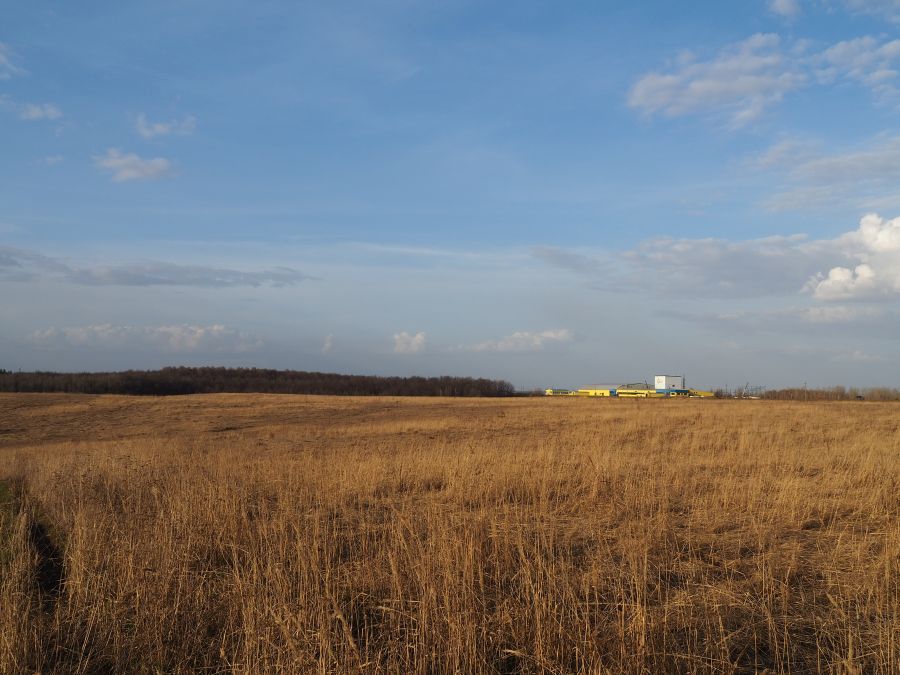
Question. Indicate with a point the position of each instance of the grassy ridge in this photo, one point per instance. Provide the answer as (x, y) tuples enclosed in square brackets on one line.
[(258, 534)]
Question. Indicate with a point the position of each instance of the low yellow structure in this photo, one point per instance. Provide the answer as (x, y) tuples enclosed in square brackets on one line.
[(640, 393), (580, 392), (665, 389)]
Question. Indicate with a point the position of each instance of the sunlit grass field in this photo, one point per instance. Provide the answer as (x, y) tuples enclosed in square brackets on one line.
[(295, 534)]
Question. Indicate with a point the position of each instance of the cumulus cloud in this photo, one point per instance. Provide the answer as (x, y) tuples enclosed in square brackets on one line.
[(8, 69), (22, 265), (181, 338), (523, 341), (740, 82), (786, 8), (876, 244), (842, 283), (150, 130), (39, 111), (129, 166), (405, 343)]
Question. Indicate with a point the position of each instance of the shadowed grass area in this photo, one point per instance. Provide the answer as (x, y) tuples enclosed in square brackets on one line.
[(304, 534), (7, 512), (6, 495)]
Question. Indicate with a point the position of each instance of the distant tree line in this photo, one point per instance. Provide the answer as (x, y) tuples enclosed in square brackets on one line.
[(185, 380), (838, 393), (833, 394)]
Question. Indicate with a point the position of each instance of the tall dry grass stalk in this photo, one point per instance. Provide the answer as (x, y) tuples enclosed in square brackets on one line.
[(298, 534)]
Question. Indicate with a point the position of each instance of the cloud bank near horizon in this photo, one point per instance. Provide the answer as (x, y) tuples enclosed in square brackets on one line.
[(24, 265), (862, 264)]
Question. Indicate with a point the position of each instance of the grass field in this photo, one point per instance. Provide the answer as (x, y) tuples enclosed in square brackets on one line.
[(254, 533)]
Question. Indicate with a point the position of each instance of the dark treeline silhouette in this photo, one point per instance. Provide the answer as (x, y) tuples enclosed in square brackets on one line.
[(183, 380), (833, 394), (838, 393)]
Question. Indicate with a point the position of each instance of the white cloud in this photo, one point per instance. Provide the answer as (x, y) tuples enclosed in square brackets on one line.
[(129, 166), (39, 111), (858, 356), (866, 59), (328, 344), (877, 162), (867, 176), (8, 69), (877, 234), (746, 78), (889, 9), (861, 263), (523, 341), (876, 244), (176, 338), (741, 82), (785, 151), (52, 160), (842, 283), (404, 343), (786, 8), (718, 267), (30, 112), (149, 130)]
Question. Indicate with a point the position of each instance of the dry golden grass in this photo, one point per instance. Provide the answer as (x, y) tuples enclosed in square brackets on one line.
[(250, 533)]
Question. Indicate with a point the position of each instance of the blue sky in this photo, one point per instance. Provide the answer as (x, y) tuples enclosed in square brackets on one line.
[(552, 193)]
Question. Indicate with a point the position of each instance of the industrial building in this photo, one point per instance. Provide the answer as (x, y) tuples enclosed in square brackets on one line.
[(664, 386)]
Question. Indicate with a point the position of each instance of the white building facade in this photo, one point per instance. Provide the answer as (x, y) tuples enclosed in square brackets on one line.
[(669, 382)]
